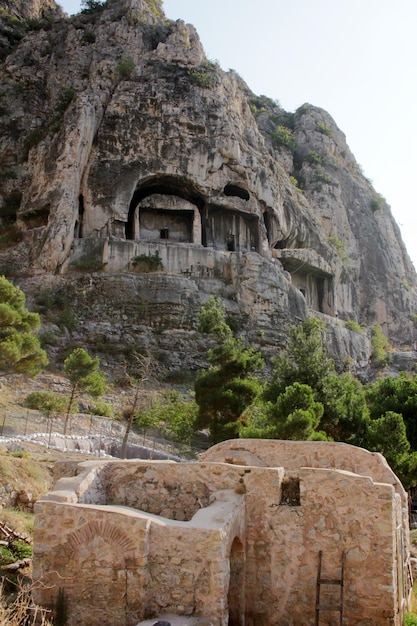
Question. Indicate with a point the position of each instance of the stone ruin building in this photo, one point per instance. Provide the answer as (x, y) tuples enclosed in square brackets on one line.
[(234, 539)]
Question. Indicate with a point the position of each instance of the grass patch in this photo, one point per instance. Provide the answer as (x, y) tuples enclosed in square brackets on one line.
[(23, 474)]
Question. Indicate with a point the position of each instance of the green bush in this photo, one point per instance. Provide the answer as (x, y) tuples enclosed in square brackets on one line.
[(380, 346), (410, 619), (14, 552), (100, 407), (49, 338), (353, 325), (316, 158), (320, 176), (377, 202), (260, 104), (66, 96), (156, 7), (204, 76), (340, 248), (125, 68), (294, 182), (46, 401), (283, 136), (92, 5), (88, 37), (324, 129)]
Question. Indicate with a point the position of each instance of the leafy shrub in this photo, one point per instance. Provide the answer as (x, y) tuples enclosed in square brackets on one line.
[(156, 7), (202, 77), (302, 109), (20, 454), (125, 68), (100, 407), (297, 181), (380, 346), (14, 552), (92, 5), (260, 104), (410, 619), (324, 129), (320, 176), (340, 248), (377, 202), (354, 325), (283, 136), (147, 263), (316, 158), (66, 96), (46, 401), (48, 338), (257, 105), (43, 23), (88, 37)]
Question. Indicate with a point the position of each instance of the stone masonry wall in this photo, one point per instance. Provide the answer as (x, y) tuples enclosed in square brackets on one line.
[(246, 547)]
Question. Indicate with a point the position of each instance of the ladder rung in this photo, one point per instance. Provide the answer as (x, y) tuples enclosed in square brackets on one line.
[(334, 604), (330, 581), (328, 607)]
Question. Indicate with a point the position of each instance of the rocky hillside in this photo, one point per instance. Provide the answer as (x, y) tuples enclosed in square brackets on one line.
[(137, 178)]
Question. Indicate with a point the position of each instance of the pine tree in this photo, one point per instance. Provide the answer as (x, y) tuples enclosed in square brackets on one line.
[(20, 349)]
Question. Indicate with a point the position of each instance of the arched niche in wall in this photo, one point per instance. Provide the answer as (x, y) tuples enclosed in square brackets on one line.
[(236, 592), (237, 191), (168, 209)]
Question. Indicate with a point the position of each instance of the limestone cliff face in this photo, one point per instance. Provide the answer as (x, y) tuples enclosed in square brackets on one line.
[(120, 141)]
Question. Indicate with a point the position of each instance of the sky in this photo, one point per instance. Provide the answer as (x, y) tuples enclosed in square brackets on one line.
[(357, 59)]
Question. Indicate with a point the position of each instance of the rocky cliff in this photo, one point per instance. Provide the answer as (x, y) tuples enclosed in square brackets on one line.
[(137, 178)]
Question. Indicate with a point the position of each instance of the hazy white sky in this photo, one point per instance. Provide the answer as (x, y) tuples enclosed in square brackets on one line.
[(355, 58)]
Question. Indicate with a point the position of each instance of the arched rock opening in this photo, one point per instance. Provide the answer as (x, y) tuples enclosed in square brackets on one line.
[(166, 209), (237, 191)]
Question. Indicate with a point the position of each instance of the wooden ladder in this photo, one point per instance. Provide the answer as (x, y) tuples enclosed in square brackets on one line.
[(321, 580)]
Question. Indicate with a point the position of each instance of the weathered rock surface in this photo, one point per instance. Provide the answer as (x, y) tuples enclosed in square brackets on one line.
[(119, 141)]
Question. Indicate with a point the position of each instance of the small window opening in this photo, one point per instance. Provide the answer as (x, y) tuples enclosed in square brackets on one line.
[(230, 242), (290, 492), (164, 233)]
